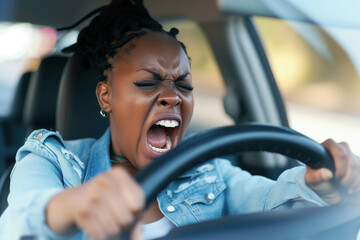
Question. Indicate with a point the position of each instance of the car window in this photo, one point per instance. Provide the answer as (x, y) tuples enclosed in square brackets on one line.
[(21, 47), (317, 71), (20, 43), (209, 87)]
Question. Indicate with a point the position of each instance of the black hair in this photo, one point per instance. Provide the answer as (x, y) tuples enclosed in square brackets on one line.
[(108, 32)]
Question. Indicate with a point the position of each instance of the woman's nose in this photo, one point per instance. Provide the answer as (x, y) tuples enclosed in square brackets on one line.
[(169, 99)]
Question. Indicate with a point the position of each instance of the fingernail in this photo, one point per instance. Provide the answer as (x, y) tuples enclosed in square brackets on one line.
[(327, 174)]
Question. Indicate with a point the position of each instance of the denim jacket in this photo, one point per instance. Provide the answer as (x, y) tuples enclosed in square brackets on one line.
[(46, 164)]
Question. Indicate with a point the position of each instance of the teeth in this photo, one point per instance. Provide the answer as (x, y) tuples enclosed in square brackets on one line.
[(168, 123), (162, 150)]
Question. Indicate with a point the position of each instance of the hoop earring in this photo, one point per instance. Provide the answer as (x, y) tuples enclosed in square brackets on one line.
[(103, 113)]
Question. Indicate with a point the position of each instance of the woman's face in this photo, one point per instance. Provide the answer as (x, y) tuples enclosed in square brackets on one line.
[(148, 97)]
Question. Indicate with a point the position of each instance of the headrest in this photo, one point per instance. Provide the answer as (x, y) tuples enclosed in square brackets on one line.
[(40, 105), (17, 107), (77, 114)]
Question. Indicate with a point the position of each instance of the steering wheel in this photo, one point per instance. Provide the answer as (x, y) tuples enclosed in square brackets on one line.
[(234, 139)]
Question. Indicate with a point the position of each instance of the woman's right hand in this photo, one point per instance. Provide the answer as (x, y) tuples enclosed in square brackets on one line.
[(101, 207)]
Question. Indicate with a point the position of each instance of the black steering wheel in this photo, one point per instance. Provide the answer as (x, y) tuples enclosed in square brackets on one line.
[(241, 138)]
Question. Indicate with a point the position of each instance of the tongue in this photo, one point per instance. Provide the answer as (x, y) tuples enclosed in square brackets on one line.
[(156, 136)]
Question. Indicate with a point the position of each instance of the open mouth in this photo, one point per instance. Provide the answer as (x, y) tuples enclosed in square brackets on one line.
[(162, 135)]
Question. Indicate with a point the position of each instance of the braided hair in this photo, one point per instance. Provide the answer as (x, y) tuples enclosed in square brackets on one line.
[(104, 38)]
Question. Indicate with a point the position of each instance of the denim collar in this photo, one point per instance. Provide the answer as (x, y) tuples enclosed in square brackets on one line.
[(99, 160)]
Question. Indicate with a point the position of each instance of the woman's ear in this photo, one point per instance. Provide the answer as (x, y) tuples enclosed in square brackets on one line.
[(103, 94)]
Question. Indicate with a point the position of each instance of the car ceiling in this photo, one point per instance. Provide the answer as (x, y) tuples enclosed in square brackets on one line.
[(59, 13)]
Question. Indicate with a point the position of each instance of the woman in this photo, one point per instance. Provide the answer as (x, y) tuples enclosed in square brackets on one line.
[(86, 186)]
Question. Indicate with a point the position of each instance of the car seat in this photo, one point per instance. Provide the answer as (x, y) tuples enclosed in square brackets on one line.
[(5, 188), (77, 114), (39, 110), (12, 130)]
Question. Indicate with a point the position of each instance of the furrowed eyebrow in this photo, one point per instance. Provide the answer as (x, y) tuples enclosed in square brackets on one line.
[(159, 77), (155, 74), (182, 76)]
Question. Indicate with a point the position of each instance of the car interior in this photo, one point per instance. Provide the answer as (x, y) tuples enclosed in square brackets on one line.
[(37, 109), (60, 94)]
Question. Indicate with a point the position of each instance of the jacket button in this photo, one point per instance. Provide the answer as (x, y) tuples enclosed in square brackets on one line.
[(210, 197), (170, 208)]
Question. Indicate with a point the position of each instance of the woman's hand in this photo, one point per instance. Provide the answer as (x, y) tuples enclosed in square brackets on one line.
[(347, 173), (101, 207)]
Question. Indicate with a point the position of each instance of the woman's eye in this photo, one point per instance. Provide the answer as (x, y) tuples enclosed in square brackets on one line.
[(151, 84), (147, 83), (184, 86)]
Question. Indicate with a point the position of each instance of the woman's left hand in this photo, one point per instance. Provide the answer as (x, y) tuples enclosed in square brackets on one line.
[(347, 173)]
